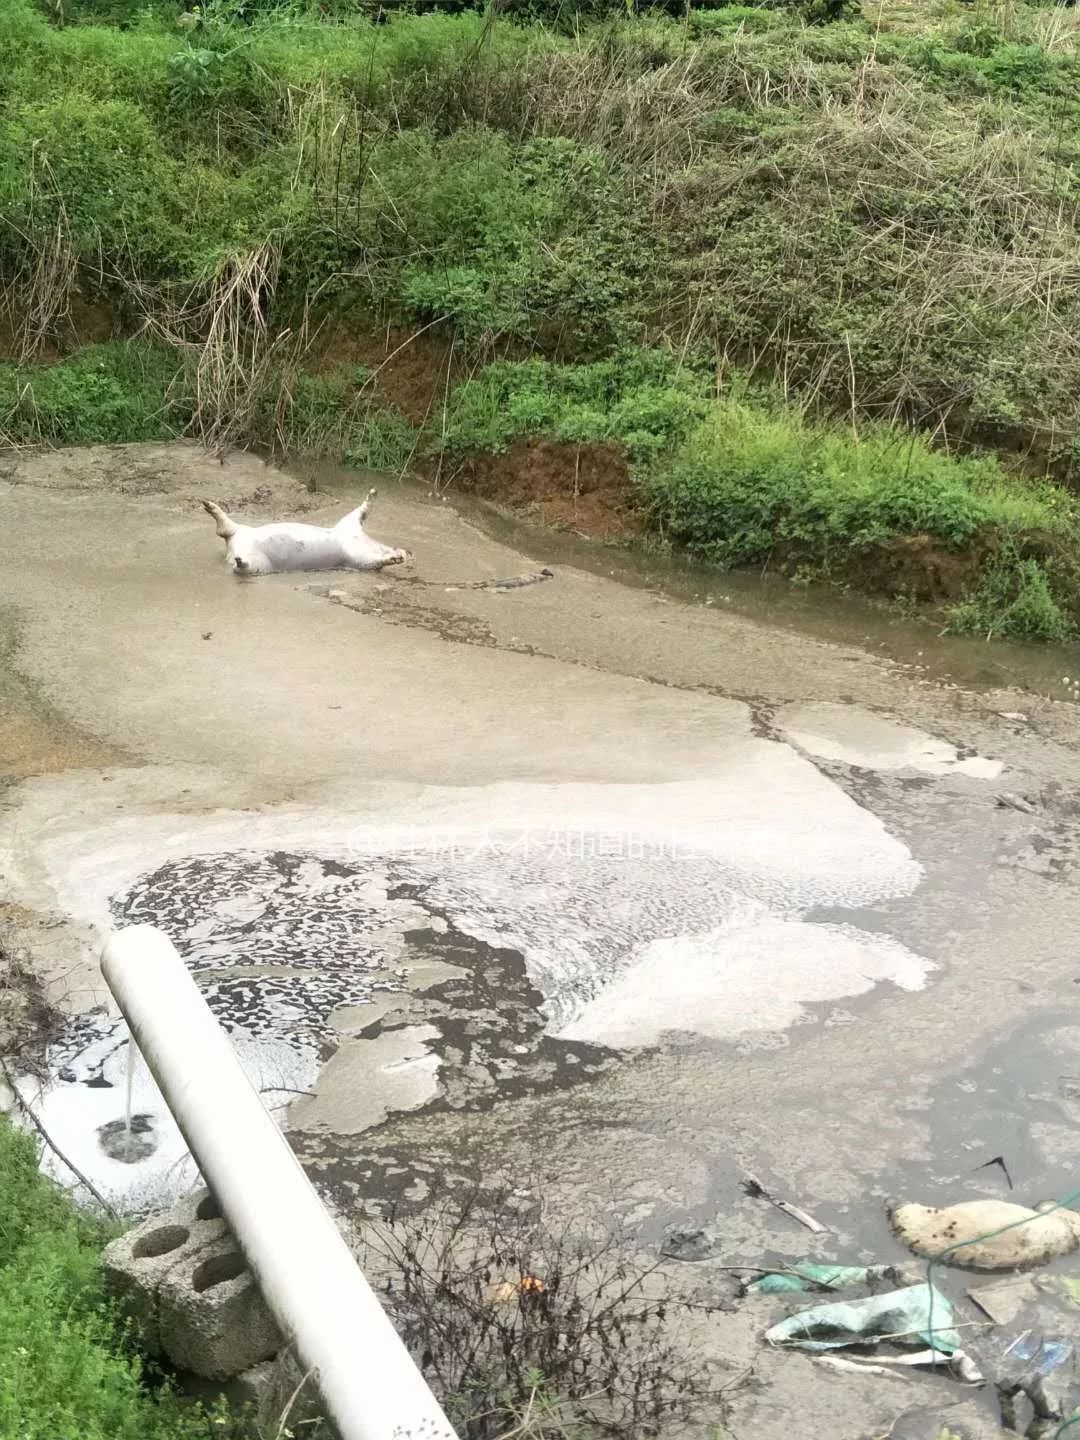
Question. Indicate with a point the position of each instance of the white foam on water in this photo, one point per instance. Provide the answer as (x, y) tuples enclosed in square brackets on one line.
[(639, 909), (665, 861), (858, 737), (764, 811), (754, 972), (72, 1115)]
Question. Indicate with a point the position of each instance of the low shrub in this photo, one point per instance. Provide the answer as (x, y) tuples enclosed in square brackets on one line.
[(643, 398), (754, 478), (380, 439), (1015, 600), (333, 413), (498, 238), (69, 1371), (104, 394), (95, 169), (539, 1333)]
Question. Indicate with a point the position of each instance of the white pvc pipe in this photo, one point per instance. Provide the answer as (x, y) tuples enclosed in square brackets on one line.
[(370, 1386)]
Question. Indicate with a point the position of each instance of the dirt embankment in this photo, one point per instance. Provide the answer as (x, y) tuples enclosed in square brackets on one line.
[(586, 488), (413, 372), (85, 322), (917, 567)]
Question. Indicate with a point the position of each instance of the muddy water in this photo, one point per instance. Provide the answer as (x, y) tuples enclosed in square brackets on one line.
[(576, 888), (822, 612), (575, 871), (34, 738)]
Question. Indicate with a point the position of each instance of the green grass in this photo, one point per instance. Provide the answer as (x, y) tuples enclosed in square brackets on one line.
[(876, 216), (641, 398), (754, 485), (746, 480), (881, 213), (104, 394), (1017, 598), (749, 479), (67, 1370), (123, 391)]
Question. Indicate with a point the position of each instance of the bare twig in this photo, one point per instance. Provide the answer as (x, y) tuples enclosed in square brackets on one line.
[(51, 1143), (284, 1418)]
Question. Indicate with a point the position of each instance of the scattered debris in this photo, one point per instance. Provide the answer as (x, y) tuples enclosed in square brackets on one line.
[(917, 1313), (689, 1245), (1069, 1288), (1014, 715), (998, 1160), (754, 1188), (515, 582), (959, 1364), (1008, 800), (1039, 1354), (508, 1292), (865, 1367), (1017, 1410), (1036, 1382), (987, 1234), (1003, 1300), (814, 1276)]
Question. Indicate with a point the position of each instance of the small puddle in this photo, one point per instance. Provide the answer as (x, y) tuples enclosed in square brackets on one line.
[(853, 736)]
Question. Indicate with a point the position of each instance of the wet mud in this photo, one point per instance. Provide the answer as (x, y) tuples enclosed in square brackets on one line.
[(649, 879)]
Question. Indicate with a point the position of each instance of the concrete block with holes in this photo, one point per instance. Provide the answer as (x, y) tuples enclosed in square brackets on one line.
[(278, 1394), (183, 1280), (213, 1319)]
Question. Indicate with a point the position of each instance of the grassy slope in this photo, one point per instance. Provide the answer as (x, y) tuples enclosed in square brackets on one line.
[(878, 216), (66, 1370)]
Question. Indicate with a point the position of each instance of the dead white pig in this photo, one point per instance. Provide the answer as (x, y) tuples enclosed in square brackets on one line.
[(988, 1234), (266, 549)]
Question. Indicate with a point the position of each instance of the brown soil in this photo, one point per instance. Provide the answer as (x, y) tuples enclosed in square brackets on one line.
[(918, 568), (411, 370), (88, 322), (585, 488)]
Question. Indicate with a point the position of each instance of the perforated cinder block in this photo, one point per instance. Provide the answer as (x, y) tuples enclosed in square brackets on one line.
[(213, 1320), (138, 1262)]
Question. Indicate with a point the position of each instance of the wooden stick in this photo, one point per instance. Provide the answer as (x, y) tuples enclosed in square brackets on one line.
[(754, 1188)]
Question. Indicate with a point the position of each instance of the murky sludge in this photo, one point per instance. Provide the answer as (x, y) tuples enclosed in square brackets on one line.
[(600, 895), (551, 923)]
